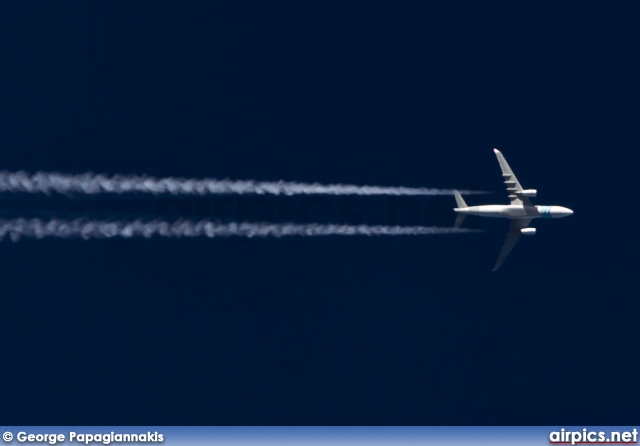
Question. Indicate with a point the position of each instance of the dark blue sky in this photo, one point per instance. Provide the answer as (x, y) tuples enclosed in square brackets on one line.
[(325, 330)]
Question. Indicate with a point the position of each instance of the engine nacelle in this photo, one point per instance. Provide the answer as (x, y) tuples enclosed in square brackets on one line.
[(529, 193), (528, 231)]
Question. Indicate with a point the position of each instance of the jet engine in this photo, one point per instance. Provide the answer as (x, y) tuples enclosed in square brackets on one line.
[(528, 231), (529, 193)]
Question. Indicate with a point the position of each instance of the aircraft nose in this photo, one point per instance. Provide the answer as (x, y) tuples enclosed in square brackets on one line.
[(567, 212)]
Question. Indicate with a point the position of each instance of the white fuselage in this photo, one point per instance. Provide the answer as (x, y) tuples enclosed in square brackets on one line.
[(516, 211)]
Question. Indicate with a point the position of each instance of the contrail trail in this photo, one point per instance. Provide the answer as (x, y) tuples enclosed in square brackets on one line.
[(94, 184), (36, 228)]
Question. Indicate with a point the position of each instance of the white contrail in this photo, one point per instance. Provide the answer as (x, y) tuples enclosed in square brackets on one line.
[(93, 184), (37, 228)]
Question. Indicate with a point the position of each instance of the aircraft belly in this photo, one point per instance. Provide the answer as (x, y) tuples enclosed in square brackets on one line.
[(486, 213), (516, 213), (499, 211)]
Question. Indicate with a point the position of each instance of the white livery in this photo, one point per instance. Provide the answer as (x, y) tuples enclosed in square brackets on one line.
[(521, 211)]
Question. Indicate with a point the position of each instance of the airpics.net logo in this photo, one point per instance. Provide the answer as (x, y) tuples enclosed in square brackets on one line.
[(587, 436)]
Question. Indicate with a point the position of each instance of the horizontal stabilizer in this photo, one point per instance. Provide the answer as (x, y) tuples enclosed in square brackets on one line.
[(459, 200)]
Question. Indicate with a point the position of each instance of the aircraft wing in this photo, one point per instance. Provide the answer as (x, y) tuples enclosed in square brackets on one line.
[(512, 183), (512, 238)]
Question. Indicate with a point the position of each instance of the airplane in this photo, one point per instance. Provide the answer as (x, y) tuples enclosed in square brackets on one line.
[(521, 211)]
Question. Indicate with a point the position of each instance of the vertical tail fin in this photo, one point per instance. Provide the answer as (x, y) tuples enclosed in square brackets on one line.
[(459, 200)]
